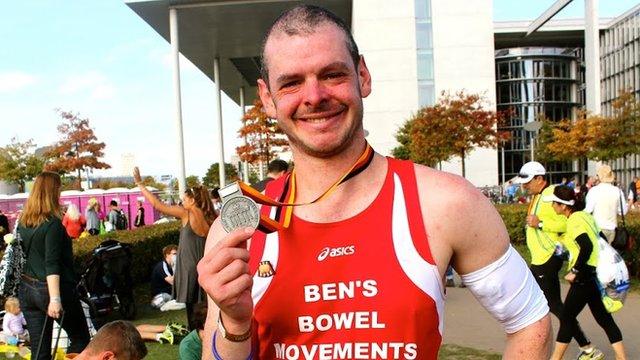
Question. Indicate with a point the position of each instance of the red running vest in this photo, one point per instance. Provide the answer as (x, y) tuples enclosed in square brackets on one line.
[(362, 288)]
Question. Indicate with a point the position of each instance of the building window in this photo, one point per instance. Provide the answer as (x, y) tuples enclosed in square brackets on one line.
[(424, 46), (425, 65), (423, 9), (423, 36), (426, 94)]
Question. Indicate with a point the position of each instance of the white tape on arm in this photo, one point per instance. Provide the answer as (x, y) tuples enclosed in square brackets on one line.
[(507, 289)]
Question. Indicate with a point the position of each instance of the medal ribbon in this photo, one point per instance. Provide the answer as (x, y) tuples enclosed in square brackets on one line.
[(287, 200)]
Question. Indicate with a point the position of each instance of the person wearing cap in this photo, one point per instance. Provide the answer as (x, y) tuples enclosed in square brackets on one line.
[(606, 201), (581, 240), (543, 229)]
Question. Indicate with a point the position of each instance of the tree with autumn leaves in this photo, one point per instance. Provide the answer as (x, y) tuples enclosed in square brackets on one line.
[(597, 137), (453, 127), (261, 134), (78, 147), (19, 163)]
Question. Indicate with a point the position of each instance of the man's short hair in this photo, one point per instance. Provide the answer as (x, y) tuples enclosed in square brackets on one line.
[(113, 203), (168, 249), (303, 20), (121, 338), (278, 166)]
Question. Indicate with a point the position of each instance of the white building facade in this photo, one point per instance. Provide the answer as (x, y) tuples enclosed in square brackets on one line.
[(417, 49)]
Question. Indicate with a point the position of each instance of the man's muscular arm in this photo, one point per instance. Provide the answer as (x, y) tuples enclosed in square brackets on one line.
[(465, 230), (223, 273)]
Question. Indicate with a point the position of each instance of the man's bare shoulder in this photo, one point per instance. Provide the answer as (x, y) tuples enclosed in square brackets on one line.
[(459, 219), (445, 190)]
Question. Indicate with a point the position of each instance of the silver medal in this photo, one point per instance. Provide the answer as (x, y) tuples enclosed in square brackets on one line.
[(238, 211)]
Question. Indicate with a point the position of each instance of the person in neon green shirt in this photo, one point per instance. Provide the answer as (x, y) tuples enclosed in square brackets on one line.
[(543, 230), (581, 240)]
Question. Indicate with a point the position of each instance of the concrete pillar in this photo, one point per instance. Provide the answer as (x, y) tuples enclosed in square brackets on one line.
[(218, 94), (592, 56), (592, 62), (245, 164), (175, 59)]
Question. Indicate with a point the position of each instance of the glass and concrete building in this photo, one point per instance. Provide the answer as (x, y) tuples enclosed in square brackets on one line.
[(415, 50), (620, 71), (408, 46), (532, 83)]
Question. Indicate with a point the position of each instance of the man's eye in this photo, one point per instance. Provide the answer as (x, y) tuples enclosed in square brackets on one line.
[(289, 84), (334, 75)]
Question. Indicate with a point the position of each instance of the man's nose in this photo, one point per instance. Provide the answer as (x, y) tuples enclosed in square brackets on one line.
[(314, 93)]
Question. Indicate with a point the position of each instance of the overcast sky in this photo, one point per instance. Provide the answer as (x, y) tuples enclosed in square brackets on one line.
[(100, 59)]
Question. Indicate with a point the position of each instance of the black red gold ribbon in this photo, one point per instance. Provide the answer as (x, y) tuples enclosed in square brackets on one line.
[(287, 200)]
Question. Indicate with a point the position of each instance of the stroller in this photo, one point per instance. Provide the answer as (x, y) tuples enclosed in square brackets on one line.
[(106, 284)]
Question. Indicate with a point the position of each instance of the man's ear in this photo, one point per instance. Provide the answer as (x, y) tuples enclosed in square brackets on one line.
[(267, 99), (108, 355), (364, 78)]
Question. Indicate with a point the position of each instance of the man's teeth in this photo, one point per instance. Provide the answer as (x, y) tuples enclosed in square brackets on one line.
[(317, 120)]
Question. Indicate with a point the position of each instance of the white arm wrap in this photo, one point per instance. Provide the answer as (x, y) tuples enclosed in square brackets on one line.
[(507, 289)]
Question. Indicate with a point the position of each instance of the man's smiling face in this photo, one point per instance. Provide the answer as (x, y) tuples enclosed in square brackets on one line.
[(315, 90)]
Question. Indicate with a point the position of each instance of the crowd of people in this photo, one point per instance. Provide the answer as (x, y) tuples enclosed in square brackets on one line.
[(560, 227), (314, 81)]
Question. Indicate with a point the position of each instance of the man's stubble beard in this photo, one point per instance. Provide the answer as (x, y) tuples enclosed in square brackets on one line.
[(344, 142)]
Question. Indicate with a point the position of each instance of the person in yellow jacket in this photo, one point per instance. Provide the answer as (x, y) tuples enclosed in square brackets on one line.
[(543, 229), (581, 240)]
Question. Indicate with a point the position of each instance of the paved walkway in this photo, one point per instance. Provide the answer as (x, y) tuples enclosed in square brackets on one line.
[(468, 324)]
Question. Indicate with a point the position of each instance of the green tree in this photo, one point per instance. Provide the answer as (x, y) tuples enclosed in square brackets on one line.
[(19, 163), (403, 136), (78, 147), (190, 181), (149, 181), (212, 177)]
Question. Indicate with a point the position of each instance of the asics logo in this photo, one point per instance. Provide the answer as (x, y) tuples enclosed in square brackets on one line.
[(335, 252)]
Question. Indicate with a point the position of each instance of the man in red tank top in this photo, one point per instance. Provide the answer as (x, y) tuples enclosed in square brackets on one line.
[(359, 274)]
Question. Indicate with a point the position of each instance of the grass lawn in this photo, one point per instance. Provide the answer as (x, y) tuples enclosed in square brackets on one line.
[(148, 315), (157, 351), (455, 352)]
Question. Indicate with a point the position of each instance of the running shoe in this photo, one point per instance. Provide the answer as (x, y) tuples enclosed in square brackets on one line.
[(450, 283), (595, 354), (177, 329), (166, 337)]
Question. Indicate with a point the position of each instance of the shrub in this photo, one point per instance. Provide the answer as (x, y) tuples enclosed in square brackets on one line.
[(146, 246), (514, 219), (632, 257)]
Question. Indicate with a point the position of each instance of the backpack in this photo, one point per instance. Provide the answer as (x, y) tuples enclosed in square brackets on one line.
[(121, 220), (13, 261), (12, 264)]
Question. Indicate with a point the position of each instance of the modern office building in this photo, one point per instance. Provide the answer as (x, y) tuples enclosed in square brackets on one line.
[(620, 70), (533, 83), (408, 46), (530, 75), (415, 50)]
